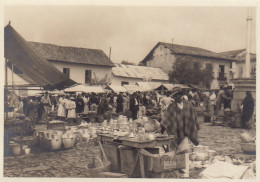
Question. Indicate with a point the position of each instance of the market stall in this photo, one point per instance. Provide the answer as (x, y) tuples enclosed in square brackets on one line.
[(116, 88), (138, 151), (85, 88)]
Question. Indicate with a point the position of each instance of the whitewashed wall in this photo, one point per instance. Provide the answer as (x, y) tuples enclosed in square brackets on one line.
[(77, 71)]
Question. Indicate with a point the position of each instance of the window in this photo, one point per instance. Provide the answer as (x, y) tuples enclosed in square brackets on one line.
[(230, 66), (124, 83), (66, 72), (88, 74)]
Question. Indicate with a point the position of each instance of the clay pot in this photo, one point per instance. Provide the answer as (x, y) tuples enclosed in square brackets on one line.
[(16, 150), (54, 144), (27, 151), (68, 142)]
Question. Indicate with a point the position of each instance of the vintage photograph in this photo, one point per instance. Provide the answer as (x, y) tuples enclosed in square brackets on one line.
[(129, 91)]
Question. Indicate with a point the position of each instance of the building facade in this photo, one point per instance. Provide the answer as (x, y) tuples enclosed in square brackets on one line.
[(164, 55), (82, 65), (239, 66)]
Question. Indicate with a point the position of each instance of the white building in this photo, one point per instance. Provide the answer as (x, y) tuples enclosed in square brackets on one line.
[(80, 64)]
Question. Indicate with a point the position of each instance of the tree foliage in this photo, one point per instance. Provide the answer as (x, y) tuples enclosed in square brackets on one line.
[(186, 70)]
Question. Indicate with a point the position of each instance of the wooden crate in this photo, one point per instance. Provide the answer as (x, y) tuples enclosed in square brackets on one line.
[(127, 160), (163, 162), (112, 153)]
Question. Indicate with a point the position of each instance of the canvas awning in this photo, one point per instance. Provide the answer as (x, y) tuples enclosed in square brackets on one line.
[(32, 67), (135, 88), (117, 88), (169, 87), (85, 88)]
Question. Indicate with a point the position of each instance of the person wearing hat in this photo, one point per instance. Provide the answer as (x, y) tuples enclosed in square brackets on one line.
[(71, 110), (180, 120), (165, 102), (46, 102)]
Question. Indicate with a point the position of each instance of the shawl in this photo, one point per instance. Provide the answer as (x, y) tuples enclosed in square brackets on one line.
[(181, 123), (248, 108)]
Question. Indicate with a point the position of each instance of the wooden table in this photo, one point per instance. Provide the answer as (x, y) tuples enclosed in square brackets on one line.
[(139, 145)]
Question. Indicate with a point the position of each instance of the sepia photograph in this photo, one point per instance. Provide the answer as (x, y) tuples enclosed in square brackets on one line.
[(129, 90)]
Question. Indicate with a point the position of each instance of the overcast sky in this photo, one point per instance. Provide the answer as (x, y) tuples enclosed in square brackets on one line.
[(133, 31)]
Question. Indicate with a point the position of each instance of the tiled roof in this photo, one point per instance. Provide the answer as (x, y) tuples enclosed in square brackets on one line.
[(239, 55), (71, 54), (133, 71), (187, 50)]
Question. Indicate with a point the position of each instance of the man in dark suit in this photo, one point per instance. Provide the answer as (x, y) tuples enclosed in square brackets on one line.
[(134, 106)]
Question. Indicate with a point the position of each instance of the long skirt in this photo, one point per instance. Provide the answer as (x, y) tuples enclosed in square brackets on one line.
[(86, 109), (72, 113), (61, 111)]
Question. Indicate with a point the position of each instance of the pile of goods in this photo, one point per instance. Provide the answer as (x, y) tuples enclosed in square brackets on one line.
[(18, 150), (203, 157), (55, 139), (248, 144), (140, 129)]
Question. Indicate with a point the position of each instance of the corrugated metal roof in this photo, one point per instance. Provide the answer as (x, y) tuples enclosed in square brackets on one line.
[(72, 54), (133, 71)]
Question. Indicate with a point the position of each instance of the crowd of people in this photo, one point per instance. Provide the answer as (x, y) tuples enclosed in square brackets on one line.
[(68, 106)]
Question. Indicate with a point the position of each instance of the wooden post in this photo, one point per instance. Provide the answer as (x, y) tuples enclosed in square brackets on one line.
[(141, 160)]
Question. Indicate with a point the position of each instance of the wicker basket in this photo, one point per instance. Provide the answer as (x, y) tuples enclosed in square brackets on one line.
[(94, 172), (249, 148)]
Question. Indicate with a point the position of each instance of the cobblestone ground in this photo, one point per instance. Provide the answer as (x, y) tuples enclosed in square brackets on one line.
[(71, 163)]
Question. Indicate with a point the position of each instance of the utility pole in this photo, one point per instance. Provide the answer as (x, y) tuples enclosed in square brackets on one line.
[(248, 44), (110, 52)]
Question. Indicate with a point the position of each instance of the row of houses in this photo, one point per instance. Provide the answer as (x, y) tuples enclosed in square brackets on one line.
[(93, 66)]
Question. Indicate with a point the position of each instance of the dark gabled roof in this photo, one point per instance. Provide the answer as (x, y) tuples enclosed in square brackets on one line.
[(53, 52), (32, 67), (188, 50), (239, 55)]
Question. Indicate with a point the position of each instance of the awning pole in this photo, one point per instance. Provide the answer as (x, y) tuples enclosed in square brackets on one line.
[(6, 88), (12, 75), (6, 73)]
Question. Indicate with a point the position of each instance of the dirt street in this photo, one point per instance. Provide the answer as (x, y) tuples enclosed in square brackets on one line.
[(71, 163)]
